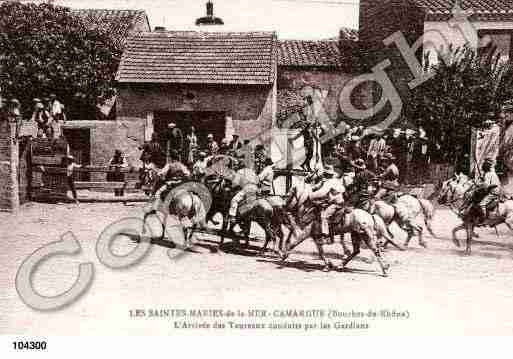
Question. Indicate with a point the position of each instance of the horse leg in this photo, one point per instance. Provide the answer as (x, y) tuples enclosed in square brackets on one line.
[(371, 244), (145, 218), (420, 230), (285, 251), (268, 236), (356, 241), (456, 230), (470, 231), (347, 252), (327, 264), (224, 228), (409, 230)]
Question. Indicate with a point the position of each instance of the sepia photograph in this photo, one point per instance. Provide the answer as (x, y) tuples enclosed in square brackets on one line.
[(272, 167)]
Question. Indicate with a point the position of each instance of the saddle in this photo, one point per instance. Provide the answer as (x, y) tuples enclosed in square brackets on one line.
[(248, 203)]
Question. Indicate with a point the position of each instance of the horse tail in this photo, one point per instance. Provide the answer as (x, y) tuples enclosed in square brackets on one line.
[(428, 211)]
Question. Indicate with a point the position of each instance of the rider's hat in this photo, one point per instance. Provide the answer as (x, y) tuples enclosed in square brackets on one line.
[(488, 161), (359, 163), (389, 156)]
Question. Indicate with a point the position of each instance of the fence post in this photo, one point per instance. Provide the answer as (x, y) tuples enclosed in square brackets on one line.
[(9, 163)]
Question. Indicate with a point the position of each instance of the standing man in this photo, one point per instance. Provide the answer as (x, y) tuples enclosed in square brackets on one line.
[(41, 117), (175, 140), (308, 143), (260, 157), (235, 144), (212, 146), (376, 150)]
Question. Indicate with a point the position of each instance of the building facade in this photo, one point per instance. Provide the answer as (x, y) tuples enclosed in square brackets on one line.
[(219, 82)]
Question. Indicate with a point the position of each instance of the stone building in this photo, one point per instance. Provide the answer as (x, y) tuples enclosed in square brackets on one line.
[(314, 69), (89, 139), (219, 82)]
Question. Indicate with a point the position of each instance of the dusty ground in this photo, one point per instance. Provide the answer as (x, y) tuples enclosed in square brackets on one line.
[(442, 290)]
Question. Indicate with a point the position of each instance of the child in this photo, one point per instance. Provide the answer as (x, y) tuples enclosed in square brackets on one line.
[(69, 162)]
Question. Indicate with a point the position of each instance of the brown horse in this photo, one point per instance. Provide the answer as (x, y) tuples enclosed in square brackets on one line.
[(267, 212)]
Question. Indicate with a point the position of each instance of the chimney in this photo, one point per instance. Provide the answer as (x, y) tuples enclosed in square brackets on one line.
[(210, 9), (209, 19)]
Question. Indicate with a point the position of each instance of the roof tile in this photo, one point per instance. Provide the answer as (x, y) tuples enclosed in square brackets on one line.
[(199, 57), (324, 53), (482, 10)]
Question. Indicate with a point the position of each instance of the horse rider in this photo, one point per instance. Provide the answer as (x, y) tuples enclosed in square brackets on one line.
[(173, 172), (331, 192), (390, 177), (246, 179), (266, 177), (360, 193), (490, 184)]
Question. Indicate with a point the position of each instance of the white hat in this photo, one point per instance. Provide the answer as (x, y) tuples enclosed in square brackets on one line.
[(210, 135), (171, 124)]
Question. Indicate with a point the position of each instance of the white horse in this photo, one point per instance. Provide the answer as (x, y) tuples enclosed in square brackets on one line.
[(456, 193), (304, 222), (405, 211)]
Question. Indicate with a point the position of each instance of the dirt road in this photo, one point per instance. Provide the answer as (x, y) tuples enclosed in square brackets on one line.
[(436, 290)]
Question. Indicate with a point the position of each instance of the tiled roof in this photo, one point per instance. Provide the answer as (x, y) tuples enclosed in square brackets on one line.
[(199, 57), (120, 23), (324, 53), (347, 33), (483, 10), (289, 102)]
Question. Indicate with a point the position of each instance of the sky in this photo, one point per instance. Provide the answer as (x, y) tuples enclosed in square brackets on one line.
[(291, 19)]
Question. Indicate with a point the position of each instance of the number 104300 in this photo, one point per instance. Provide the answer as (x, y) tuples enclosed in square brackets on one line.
[(29, 345)]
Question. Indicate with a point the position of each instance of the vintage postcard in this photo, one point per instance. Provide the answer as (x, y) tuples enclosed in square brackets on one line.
[(330, 167)]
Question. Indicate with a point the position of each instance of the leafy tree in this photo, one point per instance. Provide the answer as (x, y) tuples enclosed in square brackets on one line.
[(47, 49), (466, 89)]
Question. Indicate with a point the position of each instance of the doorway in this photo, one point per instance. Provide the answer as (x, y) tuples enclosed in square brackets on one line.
[(79, 141), (204, 122)]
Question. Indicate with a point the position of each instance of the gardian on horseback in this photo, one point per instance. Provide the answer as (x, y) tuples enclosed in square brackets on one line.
[(390, 179), (359, 193), (478, 202), (330, 193), (152, 158), (304, 205), (403, 208), (487, 193), (184, 203), (250, 203)]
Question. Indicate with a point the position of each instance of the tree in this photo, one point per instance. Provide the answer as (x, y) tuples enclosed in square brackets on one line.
[(467, 87), (46, 49)]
